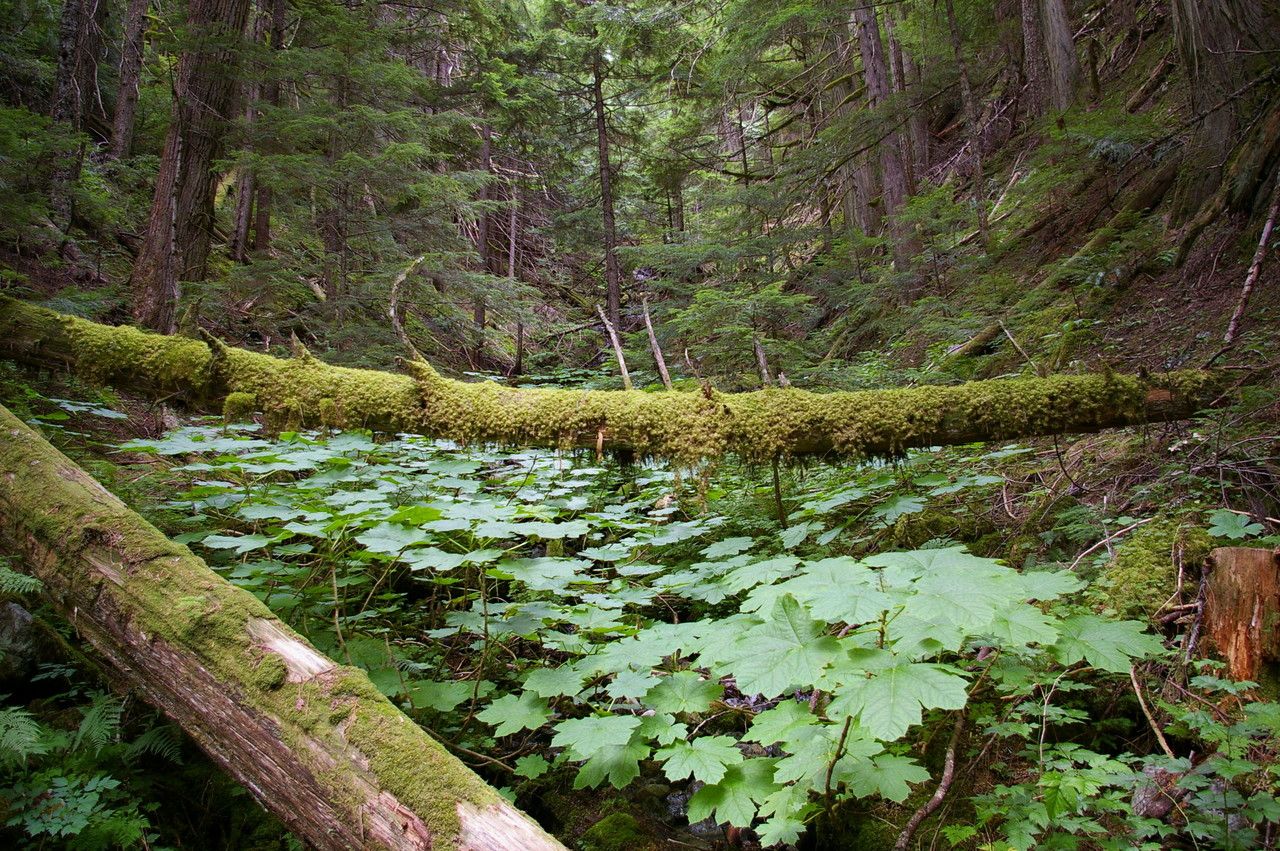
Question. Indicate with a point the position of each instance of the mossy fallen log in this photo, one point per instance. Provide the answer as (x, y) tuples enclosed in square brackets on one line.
[(313, 741), (304, 391)]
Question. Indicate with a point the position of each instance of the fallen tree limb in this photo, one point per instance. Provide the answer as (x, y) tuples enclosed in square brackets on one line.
[(303, 391), (313, 741)]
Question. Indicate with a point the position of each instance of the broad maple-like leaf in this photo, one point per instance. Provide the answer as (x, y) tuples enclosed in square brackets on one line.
[(788, 649), (891, 701)]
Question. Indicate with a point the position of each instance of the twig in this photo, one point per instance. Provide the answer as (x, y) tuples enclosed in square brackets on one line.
[(1251, 279), (1021, 350), (944, 786), (1142, 703), (1107, 540)]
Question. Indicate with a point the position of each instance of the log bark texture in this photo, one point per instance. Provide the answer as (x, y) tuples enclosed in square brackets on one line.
[(302, 391), (313, 741), (1242, 611)]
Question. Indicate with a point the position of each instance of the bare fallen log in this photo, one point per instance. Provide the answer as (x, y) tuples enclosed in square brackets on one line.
[(313, 741), (302, 391)]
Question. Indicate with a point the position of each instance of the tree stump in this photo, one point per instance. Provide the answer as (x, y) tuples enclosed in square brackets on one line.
[(1242, 611)]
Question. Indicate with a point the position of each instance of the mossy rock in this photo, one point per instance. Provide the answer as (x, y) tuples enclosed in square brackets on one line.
[(617, 832)]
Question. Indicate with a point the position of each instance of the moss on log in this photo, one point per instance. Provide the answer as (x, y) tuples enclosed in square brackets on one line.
[(686, 426), (314, 741)]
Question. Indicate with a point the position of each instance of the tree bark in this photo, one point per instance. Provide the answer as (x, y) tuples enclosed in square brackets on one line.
[(75, 84), (314, 742), (482, 240), (1034, 71), (611, 331), (1060, 51), (756, 425), (898, 61), (893, 174), (176, 244), (271, 94), (658, 359), (612, 271), (971, 119), (132, 50), (1241, 609)]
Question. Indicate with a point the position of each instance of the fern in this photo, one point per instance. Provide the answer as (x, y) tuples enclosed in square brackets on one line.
[(100, 724), (164, 741), (21, 736), (14, 584)]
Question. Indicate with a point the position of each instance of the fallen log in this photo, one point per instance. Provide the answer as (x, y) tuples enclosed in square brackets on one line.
[(303, 391), (313, 741), (1242, 612)]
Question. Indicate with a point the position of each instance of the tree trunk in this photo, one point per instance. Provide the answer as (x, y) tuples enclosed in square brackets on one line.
[(75, 85), (482, 240), (313, 741), (1060, 50), (132, 50), (1241, 610), (975, 129), (612, 271), (1034, 71), (176, 244), (893, 175), (902, 87), (271, 93), (677, 425), (513, 229)]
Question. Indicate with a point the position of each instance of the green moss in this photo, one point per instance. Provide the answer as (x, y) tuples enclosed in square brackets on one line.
[(766, 423), (1143, 574), (239, 407), (616, 832), (172, 597), (270, 673), (683, 426)]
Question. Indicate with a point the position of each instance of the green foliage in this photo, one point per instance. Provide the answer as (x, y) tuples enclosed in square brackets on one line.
[(548, 569)]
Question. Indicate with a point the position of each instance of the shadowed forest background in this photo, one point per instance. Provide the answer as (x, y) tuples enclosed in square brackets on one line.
[(713, 618)]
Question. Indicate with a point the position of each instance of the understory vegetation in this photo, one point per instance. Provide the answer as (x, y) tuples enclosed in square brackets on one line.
[(642, 652), (530, 325)]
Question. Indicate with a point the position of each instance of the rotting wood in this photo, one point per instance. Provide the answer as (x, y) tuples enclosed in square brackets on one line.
[(315, 742), (1242, 611), (303, 391)]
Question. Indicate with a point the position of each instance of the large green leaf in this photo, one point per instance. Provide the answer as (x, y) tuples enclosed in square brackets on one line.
[(1106, 644), (706, 758), (511, 714), (789, 649), (733, 800), (891, 701)]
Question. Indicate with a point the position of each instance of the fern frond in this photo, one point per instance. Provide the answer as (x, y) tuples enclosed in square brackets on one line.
[(164, 741), (100, 724), (21, 735), (15, 584)]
